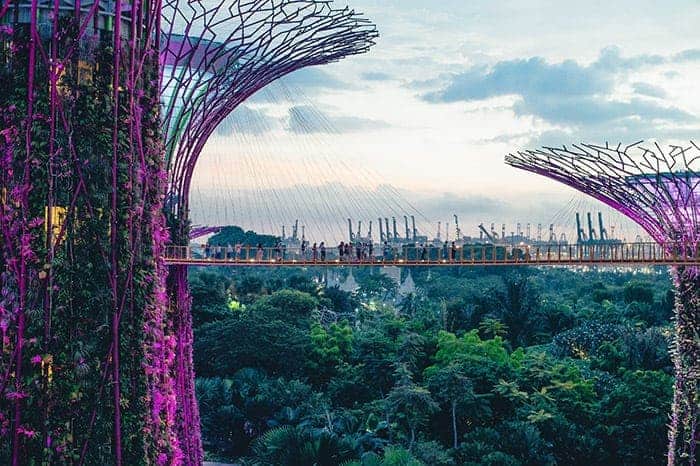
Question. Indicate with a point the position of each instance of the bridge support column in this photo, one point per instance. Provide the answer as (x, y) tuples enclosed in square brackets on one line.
[(684, 432), (188, 426)]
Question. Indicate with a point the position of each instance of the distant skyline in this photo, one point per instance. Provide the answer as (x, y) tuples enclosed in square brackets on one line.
[(449, 90)]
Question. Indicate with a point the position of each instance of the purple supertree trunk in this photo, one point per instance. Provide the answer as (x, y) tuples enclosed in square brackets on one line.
[(188, 421), (214, 55), (659, 190)]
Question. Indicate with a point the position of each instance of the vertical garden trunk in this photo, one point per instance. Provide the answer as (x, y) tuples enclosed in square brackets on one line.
[(685, 349), (89, 379)]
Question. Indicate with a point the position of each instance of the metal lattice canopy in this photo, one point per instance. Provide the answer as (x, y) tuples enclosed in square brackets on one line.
[(217, 53), (656, 187)]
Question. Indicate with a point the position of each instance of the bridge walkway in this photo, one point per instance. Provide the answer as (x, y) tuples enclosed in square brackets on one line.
[(477, 255)]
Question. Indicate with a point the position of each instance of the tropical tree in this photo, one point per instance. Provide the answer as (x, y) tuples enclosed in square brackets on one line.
[(516, 305), (409, 403), (452, 387), (329, 349)]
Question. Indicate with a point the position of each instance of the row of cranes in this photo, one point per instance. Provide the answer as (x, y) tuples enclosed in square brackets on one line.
[(589, 236), (387, 235), (519, 237)]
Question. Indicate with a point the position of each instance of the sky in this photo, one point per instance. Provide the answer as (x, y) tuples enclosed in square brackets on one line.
[(448, 90)]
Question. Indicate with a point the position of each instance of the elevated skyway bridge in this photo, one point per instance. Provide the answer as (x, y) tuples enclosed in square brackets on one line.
[(477, 255)]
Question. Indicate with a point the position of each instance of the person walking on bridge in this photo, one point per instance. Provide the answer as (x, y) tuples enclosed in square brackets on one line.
[(259, 253), (314, 252), (341, 251), (323, 251), (278, 251)]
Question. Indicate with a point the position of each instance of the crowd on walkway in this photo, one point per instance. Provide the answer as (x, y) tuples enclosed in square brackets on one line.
[(319, 252)]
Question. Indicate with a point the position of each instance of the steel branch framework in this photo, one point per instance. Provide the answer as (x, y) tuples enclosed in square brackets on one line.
[(216, 54), (658, 189)]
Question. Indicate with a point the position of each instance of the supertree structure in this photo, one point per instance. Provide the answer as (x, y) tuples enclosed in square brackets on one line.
[(85, 366), (658, 189), (216, 54)]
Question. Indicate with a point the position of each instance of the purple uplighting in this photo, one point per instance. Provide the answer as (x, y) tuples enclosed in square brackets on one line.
[(213, 58)]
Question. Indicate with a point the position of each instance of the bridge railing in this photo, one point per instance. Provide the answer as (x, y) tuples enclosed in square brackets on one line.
[(475, 254)]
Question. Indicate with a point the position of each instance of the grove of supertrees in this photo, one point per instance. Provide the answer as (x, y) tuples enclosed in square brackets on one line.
[(95, 364), (659, 189)]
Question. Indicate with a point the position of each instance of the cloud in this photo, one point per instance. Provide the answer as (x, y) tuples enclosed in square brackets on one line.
[(587, 110), (649, 90), (531, 77), (568, 93), (307, 119), (611, 60), (246, 120), (688, 55)]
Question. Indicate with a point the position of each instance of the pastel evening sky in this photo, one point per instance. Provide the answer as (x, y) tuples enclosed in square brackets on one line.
[(454, 85)]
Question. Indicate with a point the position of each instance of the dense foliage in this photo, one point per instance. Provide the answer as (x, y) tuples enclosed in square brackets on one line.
[(476, 367)]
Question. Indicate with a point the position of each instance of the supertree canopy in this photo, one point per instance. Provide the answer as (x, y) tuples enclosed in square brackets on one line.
[(216, 54), (95, 359), (658, 189)]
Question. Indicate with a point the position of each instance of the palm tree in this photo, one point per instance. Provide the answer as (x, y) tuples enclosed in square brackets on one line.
[(294, 446), (491, 328)]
